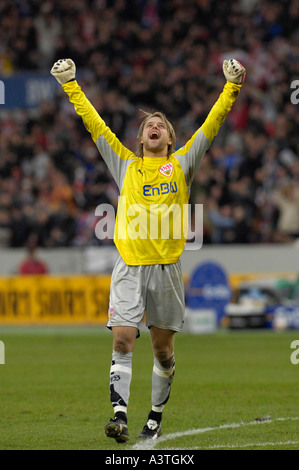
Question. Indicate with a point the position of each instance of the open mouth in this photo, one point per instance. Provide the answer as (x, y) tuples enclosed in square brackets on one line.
[(154, 136)]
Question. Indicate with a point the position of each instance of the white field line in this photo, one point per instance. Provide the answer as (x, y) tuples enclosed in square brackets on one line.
[(151, 444), (253, 444)]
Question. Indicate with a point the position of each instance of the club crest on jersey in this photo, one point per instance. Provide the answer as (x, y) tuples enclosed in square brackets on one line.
[(166, 169)]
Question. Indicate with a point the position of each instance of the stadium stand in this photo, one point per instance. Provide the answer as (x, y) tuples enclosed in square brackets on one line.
[(164, 55)]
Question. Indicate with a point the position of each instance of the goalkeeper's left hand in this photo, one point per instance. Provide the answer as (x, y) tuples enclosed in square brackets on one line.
[(234, 71), (64, 70)]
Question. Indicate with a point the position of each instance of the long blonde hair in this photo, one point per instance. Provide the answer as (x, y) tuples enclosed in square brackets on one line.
[(147, 115)]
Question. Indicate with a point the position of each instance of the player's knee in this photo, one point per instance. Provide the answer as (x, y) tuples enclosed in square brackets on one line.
[(124, 339), (122, 344), (165, 357)]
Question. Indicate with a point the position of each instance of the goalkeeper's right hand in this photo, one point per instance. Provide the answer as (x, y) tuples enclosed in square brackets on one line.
[(64, 70)]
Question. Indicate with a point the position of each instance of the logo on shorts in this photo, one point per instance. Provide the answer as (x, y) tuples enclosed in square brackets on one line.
[(111, 311), (166, 169)]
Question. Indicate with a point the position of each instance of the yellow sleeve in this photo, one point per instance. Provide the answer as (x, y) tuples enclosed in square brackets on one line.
[(191, 154), (116, 156), (91, 119), (220, 110)]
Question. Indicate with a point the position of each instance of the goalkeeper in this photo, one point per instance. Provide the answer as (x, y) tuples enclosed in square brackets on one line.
[(147, 275)]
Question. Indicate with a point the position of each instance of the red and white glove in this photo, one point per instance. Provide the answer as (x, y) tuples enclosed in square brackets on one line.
[(234, 71), (64, 70)]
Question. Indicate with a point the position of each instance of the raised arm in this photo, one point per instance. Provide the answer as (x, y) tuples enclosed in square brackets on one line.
[(115, 154), (192, 153)]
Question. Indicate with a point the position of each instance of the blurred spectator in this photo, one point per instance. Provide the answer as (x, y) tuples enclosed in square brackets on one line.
[(241, 225), (151, 54), (32, 264), (222, 222), (287, 201), (48, 28), (5, 230)]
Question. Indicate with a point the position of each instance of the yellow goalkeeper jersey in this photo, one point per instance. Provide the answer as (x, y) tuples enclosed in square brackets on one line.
[(151, 221)]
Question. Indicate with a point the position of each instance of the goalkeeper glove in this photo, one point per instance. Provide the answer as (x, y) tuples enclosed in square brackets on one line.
[(234, 71), (64, 70)]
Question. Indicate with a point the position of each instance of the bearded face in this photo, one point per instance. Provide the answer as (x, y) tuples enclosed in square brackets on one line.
[(155, 137)]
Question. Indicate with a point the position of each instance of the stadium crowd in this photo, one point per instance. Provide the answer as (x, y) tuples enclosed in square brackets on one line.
[(153, 55)]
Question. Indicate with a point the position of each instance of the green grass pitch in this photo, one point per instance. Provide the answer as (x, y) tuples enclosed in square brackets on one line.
[(232, 390)]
